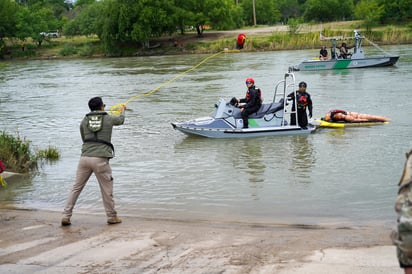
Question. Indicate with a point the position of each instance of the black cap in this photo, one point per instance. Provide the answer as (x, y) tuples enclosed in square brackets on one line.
[(302, 84), (95, 103)]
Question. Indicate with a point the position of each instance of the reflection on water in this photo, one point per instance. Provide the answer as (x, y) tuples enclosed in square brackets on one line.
[(303, 158), (250, 160), (332, 175)]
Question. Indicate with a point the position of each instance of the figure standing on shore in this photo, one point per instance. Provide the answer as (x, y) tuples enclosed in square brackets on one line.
[(97, 149), (240, 42), (304, 102)]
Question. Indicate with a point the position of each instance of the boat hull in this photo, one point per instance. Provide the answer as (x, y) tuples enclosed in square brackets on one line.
[(210, 132), (378, 61)]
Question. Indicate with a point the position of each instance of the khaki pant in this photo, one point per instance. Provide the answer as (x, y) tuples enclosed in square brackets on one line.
[(103, 172)]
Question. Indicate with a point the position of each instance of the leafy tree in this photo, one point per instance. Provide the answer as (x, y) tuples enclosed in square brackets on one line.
[(220, 14), (396, 10), (129, 20), (267, 12), (80, 3), (59, 7), (8, 10), (327, 10), (184, 15), (223, 14), (86, 20), (200, 19), (369, 11), (30, 22), (288, 9)]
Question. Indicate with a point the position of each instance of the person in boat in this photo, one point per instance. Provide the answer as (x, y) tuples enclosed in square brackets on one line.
[(252, 101), (304, 104), (338, 115), (344, 51), (97, 149), (323, 53)]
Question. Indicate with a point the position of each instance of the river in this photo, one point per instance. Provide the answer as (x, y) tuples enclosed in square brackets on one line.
[(333, 176)]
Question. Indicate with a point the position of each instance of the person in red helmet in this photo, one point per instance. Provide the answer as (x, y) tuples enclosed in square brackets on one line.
[(252, 101)]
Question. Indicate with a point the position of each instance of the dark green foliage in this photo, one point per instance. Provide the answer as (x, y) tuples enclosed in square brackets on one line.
[(68, 50), (328, 10)]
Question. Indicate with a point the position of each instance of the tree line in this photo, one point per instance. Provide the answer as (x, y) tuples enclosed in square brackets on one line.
[(119, 21)]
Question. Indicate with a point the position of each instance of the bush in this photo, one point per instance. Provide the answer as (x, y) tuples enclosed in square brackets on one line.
[(86, 51), (68, 49), (50, 153), (17, 155)]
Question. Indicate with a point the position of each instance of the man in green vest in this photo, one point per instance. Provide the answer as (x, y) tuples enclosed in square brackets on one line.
[(97, 149)]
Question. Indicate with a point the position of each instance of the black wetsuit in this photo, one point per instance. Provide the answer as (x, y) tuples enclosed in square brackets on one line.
[(304, 102), (253, 102)]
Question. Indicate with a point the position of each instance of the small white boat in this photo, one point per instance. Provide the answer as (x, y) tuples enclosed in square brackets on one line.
[(272, 119), (356, 60)]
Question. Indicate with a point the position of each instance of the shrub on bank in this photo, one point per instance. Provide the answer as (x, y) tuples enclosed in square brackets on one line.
[(18, 156), (68, 49)]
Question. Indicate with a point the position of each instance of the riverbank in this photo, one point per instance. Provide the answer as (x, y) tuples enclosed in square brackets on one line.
[(259, 38), (34, 241)]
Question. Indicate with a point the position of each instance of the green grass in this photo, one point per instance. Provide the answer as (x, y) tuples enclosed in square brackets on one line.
[(18, 156), (50, 154)]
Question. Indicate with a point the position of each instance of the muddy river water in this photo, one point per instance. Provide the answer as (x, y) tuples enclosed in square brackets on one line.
[(331, 176)]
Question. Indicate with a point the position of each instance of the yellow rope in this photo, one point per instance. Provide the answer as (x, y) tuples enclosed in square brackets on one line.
[(2, 182), (116, 109)]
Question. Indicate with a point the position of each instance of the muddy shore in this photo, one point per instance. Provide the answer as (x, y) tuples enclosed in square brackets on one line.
[(34, 241)]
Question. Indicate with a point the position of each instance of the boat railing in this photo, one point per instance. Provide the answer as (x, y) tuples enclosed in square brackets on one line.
[(286, 87)]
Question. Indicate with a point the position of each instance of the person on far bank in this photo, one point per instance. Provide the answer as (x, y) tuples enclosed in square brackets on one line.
[(97, 149), (252, 101), (304, 103), (240, 41)]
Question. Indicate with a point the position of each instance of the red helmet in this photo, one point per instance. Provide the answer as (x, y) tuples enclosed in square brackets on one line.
[(250, 80)]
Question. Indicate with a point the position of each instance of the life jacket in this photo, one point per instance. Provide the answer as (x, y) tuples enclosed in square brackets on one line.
[(302, 100), (95, 124), (335, 111), (241, 39), (259, 92)]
